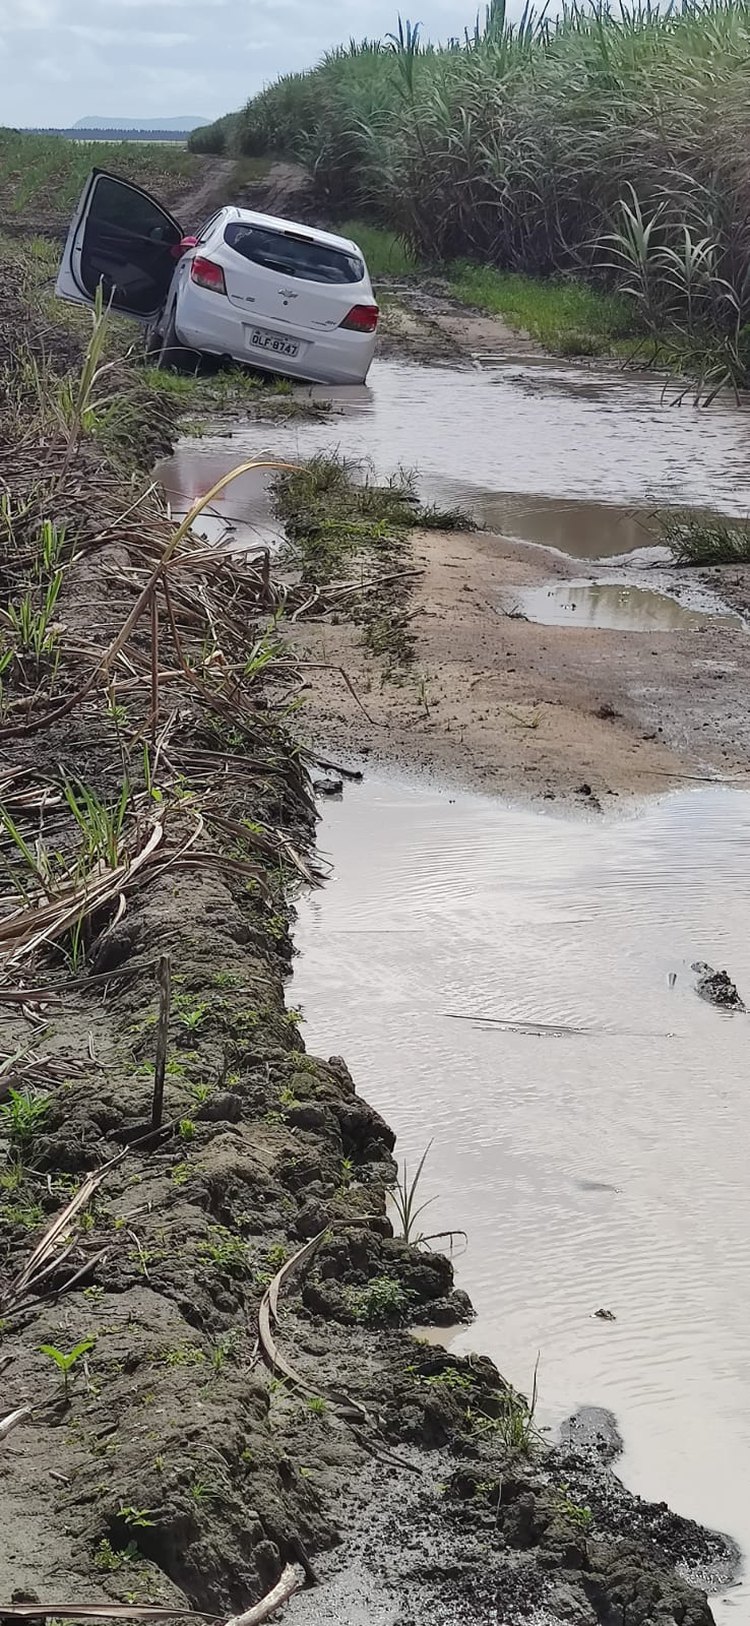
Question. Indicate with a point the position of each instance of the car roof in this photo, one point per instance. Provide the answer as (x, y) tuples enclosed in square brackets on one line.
[(250, 217)]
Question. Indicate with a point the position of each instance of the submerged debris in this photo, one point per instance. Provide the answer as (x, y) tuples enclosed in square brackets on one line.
[(717, 987)]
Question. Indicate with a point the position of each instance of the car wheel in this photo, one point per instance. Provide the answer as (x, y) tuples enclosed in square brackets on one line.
[(172, 353)]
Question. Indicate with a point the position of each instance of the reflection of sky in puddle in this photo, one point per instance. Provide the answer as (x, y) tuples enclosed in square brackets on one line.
[(606, 1167), (619, 605)]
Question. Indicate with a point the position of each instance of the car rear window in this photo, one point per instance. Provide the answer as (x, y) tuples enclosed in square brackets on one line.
[(293, 256)]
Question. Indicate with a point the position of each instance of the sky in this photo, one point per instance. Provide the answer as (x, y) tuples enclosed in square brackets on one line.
[(62, 60)]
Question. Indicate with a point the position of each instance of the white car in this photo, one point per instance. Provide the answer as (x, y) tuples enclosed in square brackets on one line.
[(250, 287)]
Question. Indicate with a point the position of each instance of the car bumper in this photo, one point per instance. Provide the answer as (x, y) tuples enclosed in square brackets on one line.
[(208, 322)]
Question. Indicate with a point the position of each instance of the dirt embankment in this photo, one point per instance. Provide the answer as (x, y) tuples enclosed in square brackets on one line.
[(156, 807)]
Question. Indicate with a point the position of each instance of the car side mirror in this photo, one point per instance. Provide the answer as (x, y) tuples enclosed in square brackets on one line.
[(182, 247)]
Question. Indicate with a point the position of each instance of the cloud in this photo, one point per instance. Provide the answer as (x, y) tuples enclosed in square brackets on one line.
[(124, 36), (161, 58)]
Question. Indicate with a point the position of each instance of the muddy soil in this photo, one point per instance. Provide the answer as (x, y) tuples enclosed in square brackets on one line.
[(539, 710)]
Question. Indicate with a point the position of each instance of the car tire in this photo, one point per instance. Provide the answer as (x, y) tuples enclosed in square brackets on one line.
[(172, 353)]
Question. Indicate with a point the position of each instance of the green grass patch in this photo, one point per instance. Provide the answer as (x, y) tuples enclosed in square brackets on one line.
[(382, 1302), (564, 315), (230, 389), (387, 255), (44, 175), (334, 514)]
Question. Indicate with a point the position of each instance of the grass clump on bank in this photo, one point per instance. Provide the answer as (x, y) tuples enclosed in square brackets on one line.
[(566, 316), (605, 145), (709, 540), (344, 526)]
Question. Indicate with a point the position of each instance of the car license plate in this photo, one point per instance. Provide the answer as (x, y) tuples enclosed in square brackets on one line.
[(258, 340)]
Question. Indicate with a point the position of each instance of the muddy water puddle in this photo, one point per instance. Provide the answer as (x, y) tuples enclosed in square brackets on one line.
[(516, 987), (570, 457), (241, 516), (618, 604)]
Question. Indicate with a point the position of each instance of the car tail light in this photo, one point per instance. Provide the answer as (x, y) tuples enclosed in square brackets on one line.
[(362, 319), (178, 249), (208, 274)]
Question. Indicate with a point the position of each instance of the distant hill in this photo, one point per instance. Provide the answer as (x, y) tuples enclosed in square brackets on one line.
[(107, 122)]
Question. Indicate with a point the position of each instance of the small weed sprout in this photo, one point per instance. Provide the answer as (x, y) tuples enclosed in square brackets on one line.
[(26, 1215), (107, 1558), (137, 1518), (451, 1378), (226, 1251), (317, 1405), (66, 1363), (21, 1117), (577, 1514), (222, 1351), (381, 1301), (201, 1491), (404, 1199), (185, 1355), (515, 1422)]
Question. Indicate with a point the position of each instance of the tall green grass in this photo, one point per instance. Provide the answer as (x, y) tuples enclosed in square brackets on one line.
[(611, 144)]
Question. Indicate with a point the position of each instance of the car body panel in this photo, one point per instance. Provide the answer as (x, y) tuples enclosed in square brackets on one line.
[(275, 318)]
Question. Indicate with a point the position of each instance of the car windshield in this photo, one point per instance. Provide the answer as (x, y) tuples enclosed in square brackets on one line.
[(294, 256)]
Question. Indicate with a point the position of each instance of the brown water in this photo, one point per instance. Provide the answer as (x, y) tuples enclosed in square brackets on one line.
[(592, 1137), (616, 604), (242, 514), (571, 457)]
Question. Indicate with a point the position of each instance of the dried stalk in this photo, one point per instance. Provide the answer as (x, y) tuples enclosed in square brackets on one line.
[(292, 1579), (7, 1424)]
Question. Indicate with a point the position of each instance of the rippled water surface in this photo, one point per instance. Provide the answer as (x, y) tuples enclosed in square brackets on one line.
[(592, 1138), (572, 457)]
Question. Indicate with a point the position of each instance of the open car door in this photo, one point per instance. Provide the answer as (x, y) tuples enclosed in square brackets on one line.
[(122, 238)]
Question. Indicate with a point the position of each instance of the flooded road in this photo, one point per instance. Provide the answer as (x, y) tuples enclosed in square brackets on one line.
[(569, 456), (600, 1165)]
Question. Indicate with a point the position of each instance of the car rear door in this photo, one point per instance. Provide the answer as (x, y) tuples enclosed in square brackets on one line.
[(124, 240)]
